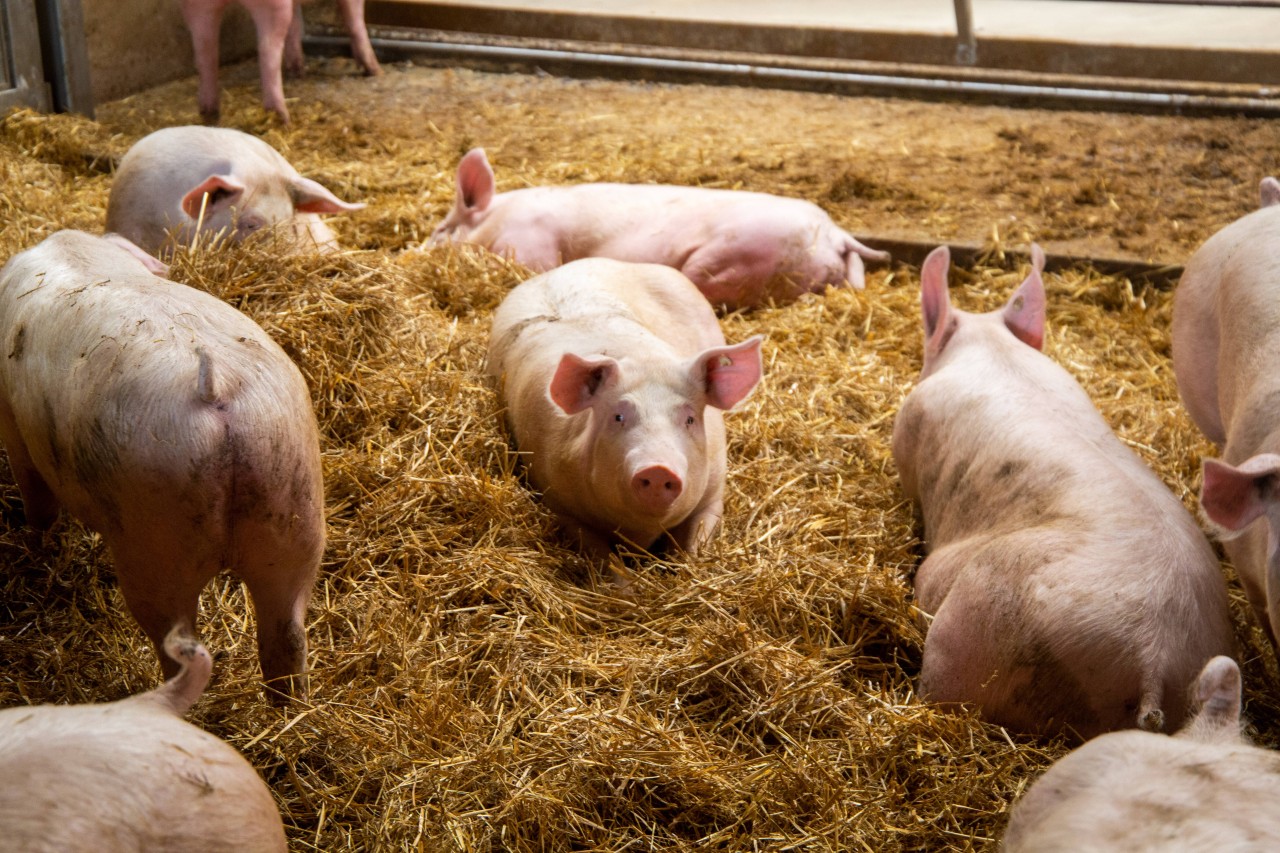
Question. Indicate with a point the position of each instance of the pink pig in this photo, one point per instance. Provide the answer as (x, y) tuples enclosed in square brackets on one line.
[(614, 376), (741, 249), (131, 775), (1066, 587), (1204, 789), (170, 423), (180, 180), (1226, 356), (279, 28)]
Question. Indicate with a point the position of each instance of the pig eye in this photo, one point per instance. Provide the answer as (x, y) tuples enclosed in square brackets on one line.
[(618, 417), (689, 421)]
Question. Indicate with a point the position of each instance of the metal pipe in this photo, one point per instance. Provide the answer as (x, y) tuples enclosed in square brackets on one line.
[(815, 78), (967, 46)]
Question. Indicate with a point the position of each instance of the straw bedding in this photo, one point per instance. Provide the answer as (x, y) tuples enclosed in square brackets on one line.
[(477, 684)]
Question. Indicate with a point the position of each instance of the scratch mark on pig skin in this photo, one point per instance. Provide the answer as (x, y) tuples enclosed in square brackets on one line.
[(19, 341), (200, 781)]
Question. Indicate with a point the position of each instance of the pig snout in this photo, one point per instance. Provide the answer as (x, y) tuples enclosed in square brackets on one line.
[(656, 488)]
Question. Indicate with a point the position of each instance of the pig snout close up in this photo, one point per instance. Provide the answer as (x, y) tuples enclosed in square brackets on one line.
[(172, 425), (614, 378), (1066, 588), (131, 776), (1226, 358), (741, 249), (1203, 790), (181, 181), (279, 28)]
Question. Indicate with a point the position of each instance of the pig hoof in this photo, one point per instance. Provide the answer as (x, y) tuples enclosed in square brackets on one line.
[(210, 117)]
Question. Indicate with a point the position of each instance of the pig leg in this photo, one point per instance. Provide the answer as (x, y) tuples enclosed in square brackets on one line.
[(697, 530), (279, 568), (361, 49), (204, 20), (272, 20), (294, 64), (39, 504), (162, 590)]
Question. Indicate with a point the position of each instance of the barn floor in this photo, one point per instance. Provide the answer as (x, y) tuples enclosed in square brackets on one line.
[(476, 684)]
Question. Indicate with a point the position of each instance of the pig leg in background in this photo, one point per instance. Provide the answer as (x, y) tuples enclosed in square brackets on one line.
[(39, 505), (204, 20), (294, 63), (161, 580), (361, 49), (272, 21)]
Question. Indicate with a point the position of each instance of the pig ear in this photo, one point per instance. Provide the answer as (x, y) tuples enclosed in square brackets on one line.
[(1218, 693), (935, 304), (221, 189), (1268, 192), (154, 265), (1235, 497), (730, 373), (311, 197), (475, 181), (1024, 313), (577, 380)]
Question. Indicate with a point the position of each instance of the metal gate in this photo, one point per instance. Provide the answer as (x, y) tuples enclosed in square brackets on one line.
[(21, 70)]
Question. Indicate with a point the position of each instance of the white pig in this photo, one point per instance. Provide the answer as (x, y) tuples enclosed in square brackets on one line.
[(131, 776), (740, 248), (1226, 356), (614, 376), (1205, 789), (1067, 587), (278, 24), (222, 180), (170, 423)]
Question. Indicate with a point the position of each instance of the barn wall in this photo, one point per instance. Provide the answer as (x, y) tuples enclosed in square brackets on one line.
[(135, 44)]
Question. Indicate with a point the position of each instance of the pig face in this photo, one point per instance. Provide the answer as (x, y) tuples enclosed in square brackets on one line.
[(475, 195), (240, 209), (647, 439)]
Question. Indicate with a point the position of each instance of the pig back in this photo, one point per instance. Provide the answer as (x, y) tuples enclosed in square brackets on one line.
[(119, 381), (1226, 317), (126, 776)]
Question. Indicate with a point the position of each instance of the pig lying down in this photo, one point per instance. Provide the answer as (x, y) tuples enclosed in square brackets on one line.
[(1205, 789), (131, 775), (1068, 588), (182, 179), (170, 423), (1226, 355), (279, 28), (741, 249), (614, 377)]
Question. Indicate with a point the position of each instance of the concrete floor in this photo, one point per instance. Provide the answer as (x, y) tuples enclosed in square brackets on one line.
[(1179, 42)]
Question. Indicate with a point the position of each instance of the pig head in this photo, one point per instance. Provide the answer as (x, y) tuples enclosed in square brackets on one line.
[(180, 181)]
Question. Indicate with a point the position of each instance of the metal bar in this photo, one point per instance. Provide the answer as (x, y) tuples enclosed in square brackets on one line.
[(790, 77), (967, 46)]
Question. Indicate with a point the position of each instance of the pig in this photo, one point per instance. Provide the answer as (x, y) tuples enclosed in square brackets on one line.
[(1226, 358), (1066, 589), (1203, 789), (178, 181), (279, 27), (131, 775), (614, 377), (741, 249), (171, 424)]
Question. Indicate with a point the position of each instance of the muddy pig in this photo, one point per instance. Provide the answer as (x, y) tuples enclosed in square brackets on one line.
[(279, 28), (220, 180), (614, 376), (740, 248), (1204, 789), (1067, 587), (1226, 356), (131, 775), (170, 423)]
